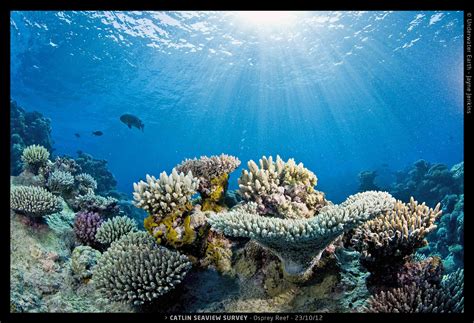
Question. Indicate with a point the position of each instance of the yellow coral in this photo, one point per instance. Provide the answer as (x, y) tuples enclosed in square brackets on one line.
[(219, 254), (213, 201)]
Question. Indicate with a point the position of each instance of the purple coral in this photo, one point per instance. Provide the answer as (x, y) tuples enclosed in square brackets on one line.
[(85, 227)]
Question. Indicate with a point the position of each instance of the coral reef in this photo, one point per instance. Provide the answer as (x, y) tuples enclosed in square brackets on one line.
[(422, 297), (367, 181), (167, 194), (86, 225), (26, 128), (386, 241), (66, 164), (448, 239), (299, 243), (33, 201), (40, 278), (168, 203), (115, 228), (218, 253), (106, 206), (86, 183), (82, 262), (427, 270), (34, 157), (99, 171), (213, 174), (60, 182), (136, 270), (427, 182), (280, 188)]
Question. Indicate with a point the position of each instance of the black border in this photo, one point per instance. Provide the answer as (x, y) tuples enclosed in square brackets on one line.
[(6, 316)]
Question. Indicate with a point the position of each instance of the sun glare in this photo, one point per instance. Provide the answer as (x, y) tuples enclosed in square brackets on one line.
[(267, 18)]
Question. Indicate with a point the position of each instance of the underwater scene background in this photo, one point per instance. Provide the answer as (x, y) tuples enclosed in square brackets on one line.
[(370, 102)]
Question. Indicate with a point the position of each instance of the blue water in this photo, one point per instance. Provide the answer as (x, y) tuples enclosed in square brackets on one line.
[(341, 92)]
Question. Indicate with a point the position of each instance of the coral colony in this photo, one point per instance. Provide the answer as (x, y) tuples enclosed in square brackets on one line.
[(277, 241)]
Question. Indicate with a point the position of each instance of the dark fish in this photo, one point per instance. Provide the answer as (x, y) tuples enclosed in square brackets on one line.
[(131, 120), (77, 135), (97, 133)]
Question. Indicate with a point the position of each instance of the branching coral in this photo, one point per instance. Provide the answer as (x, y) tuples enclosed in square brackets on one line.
[(283, 189), (168, 203), (213, 174), (60, 182), (34, 201), (115, 228), (83, 261), (97, 169), (299, 243), (86, 183), (167, 194), (386, 241), (136, 270), (95, 203), (422, 297), (34, 157), (85, 227)]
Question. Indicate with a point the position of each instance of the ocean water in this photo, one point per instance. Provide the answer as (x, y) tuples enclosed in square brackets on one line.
[(367, 100), (339, 91)]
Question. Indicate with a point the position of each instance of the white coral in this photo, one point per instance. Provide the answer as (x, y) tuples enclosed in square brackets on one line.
[(163, 195), (299, 242)]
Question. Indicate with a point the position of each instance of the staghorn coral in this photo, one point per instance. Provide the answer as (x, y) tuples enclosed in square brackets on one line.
[(386, 241), (82, 263), (213, 174), (422, 297), (86, 183), (85, 227), (115, 228), (299, 243), (168, 203), (34, 157), (60, 182), (282, 189), (34, 201), (135, 270)]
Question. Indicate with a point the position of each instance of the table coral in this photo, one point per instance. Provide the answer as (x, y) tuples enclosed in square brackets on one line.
[(299, 243)]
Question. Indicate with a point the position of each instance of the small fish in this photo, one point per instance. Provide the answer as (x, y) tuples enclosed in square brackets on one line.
[(131, 120), (97, 133), (77, 135)]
